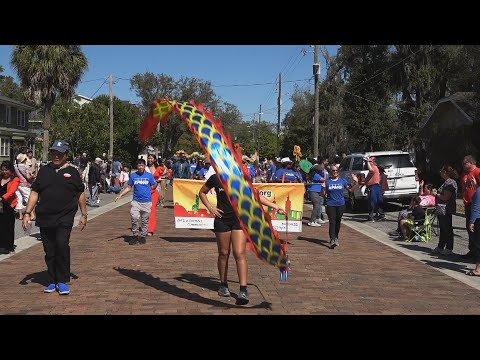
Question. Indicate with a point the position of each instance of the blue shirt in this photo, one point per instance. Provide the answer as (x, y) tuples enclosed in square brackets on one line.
[(271, 172), (115, 166), (193, 167), (251, 169), (316, 185), (202, 172), (475, 206), (290, 175), (335, 190), (141, 184)]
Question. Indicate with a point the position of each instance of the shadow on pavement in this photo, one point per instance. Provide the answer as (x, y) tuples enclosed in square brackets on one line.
[(461, 268), (200, 281), (188, 239), (164, 286), (125, 238), (325, 243), (41, 278)]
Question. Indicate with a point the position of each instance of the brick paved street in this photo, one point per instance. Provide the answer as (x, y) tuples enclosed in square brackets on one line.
[(176, 273)]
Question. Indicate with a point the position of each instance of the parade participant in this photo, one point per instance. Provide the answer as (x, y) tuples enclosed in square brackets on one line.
[(57, 192), (152, 169), (142, 182), (333, 189), (229, 234)]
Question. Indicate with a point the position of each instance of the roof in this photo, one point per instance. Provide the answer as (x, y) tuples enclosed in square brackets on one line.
[(454, 111), (15, 102)]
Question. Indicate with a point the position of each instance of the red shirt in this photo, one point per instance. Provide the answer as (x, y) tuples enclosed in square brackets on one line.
[(9, 196), (469, 182)]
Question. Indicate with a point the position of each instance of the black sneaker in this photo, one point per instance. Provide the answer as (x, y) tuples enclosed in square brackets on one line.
[(133, 241), (242, 298)]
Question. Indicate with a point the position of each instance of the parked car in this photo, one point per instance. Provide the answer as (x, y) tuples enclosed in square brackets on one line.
[(402, 175)]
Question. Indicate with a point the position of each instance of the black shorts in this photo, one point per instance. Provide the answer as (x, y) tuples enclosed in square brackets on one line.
[(226, 225)]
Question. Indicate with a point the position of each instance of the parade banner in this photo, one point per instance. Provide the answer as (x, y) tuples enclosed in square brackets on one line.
[(190, 212)]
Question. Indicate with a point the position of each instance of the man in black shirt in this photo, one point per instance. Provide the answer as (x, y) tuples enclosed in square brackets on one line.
[(229, 233), (59, 192)]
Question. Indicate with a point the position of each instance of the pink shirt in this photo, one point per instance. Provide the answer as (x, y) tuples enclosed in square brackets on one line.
[(373, 177), (427, 200)]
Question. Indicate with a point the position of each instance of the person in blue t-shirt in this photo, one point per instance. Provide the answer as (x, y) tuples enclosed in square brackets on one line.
[(286, 173), (271, 170), (141, 182), (333, 189)]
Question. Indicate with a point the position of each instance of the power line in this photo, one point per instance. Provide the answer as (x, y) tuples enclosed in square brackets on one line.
[(240, 85), (390, 67), (86, 81), (383, 105), (91, 97)]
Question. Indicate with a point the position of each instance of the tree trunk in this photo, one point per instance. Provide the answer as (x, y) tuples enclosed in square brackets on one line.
[(46, 128)]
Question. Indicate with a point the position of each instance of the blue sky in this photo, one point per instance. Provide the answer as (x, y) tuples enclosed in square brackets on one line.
[(223, 65)]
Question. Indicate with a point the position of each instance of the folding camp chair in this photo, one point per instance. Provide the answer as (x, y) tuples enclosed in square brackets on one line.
[(421, 230)]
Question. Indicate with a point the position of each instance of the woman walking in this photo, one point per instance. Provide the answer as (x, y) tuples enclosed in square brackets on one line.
[(229, 234), (152, 169), (333, 189)]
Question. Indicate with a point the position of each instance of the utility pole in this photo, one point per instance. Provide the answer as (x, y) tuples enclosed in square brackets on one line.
[(110, 154), (316, 73), (258, 133), (279, 102)]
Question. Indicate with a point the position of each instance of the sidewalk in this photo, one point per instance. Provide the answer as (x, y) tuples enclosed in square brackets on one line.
[(176, 273)]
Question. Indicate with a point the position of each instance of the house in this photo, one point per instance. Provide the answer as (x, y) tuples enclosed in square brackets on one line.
[(81, 100), (14, 130), (451, 131)]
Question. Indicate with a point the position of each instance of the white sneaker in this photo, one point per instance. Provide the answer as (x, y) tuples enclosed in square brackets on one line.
[(320, 221), (313, 224)]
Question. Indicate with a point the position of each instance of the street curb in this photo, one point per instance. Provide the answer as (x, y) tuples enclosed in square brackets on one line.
[(28, 241), (421, 257), (383, 238)]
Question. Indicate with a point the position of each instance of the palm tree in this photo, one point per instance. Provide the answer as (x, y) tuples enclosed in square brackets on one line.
[(46, 71)]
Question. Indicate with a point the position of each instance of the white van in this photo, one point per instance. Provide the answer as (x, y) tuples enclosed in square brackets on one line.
[(402, 176)]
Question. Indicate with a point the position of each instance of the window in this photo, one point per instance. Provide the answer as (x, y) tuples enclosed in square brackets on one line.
[(4, 146), (394, 161), (358, 163), (8, 115), (21, 118)]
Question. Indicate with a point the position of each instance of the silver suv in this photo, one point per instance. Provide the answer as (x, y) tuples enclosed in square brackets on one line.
[(402, 176)]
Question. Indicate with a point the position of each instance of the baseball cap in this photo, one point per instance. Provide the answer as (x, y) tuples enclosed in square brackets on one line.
[(59, 145), (286, 160)]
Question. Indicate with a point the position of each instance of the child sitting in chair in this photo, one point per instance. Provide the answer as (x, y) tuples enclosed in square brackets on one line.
[(417, 214)]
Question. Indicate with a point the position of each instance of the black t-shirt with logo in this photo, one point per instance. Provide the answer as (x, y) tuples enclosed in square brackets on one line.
[(222, 199), (58, 194)]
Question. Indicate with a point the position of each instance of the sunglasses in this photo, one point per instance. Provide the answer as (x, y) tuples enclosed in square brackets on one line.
[(334, 170)]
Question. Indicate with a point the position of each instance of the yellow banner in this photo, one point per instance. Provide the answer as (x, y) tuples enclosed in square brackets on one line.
[(190, 212)]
